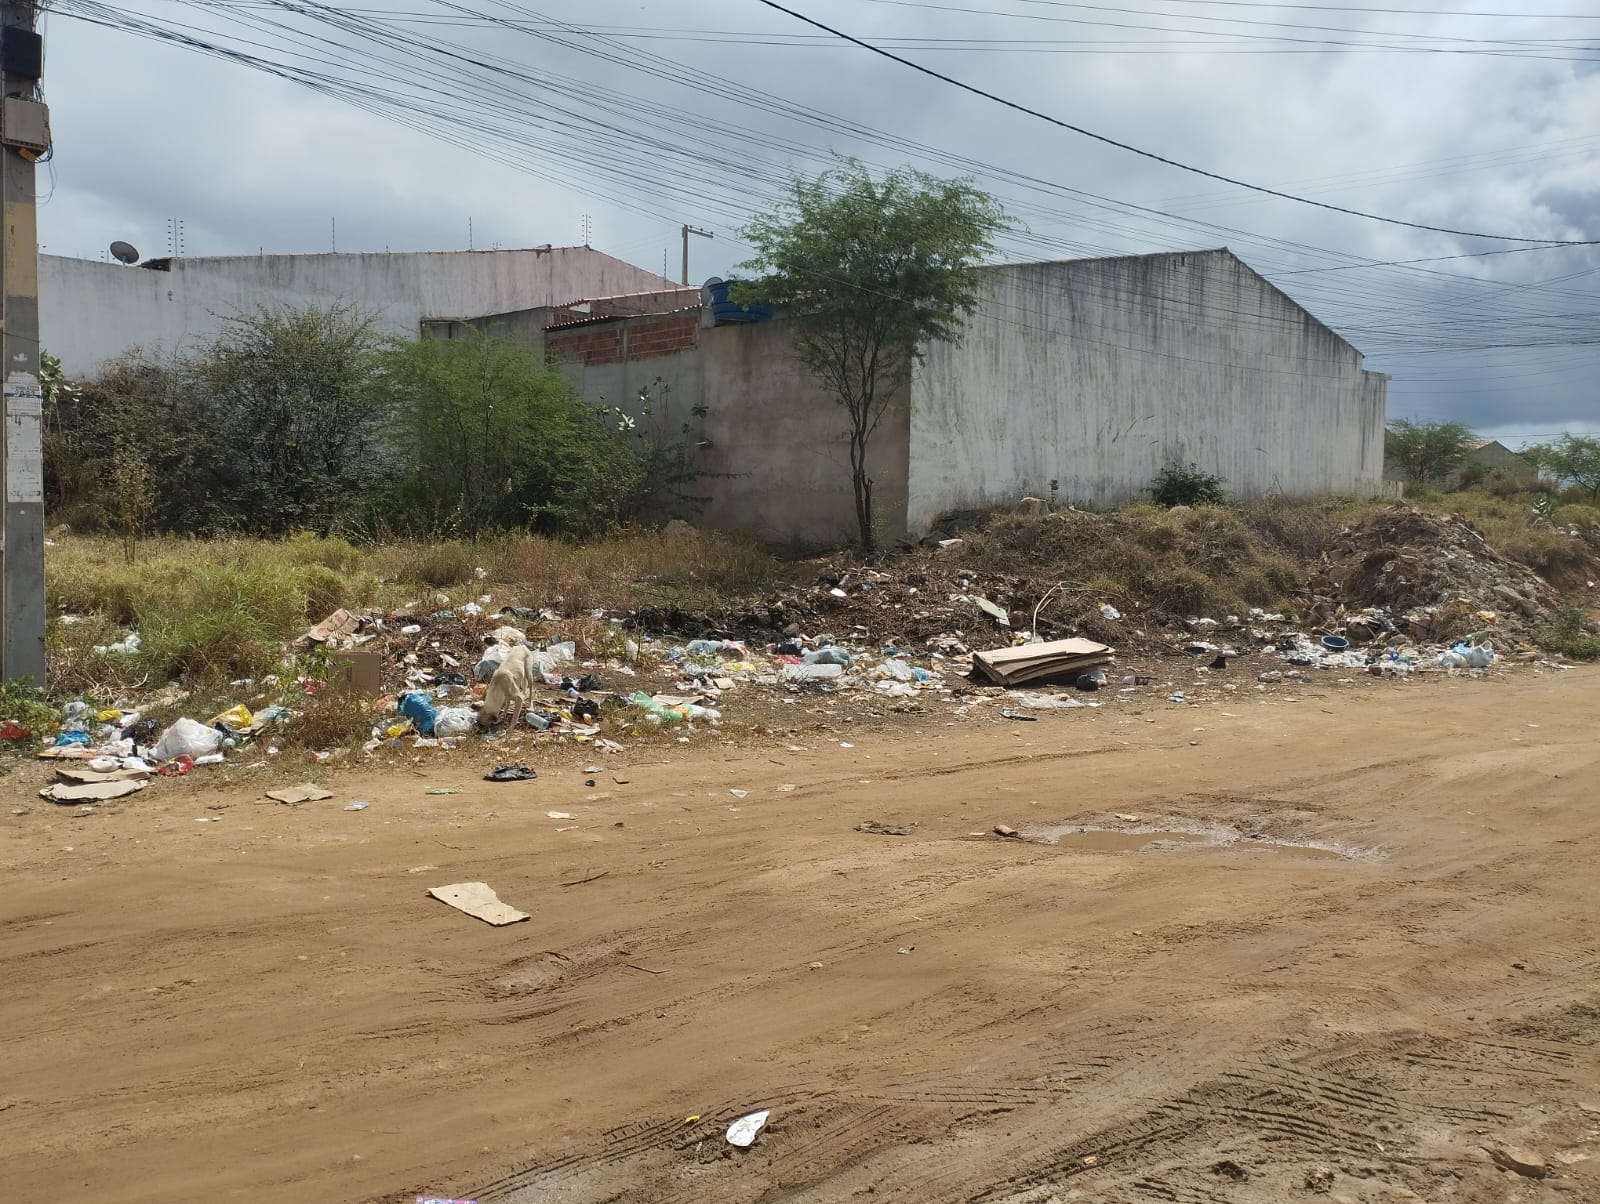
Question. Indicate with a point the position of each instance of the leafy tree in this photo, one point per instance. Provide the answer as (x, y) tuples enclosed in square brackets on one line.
[(281, 412), (871, 270), (1428, 452), (129, 413), (1571, 460), (485, 434)]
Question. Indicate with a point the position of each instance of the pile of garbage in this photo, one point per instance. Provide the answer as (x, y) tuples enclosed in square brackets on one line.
[(1432, 575)]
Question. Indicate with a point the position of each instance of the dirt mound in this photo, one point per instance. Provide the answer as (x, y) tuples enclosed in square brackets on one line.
[(1434, 571)]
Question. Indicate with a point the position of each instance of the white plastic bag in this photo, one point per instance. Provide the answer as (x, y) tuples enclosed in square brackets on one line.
[(455, 721), (186, 737), (493, 656)]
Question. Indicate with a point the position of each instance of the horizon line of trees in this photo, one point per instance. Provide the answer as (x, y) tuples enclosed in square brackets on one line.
[(1435, 453)]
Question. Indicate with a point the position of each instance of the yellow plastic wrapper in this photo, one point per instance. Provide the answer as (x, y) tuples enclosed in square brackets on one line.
[(234, 718)]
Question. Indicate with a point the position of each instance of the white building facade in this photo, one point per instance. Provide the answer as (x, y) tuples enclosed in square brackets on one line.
[(1094, 373), (91, 312)]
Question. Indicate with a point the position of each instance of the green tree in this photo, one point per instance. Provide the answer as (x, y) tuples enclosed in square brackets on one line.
[(1571, 460), (282, 414), (1428, 452), (871, 270), (484, 434), (133, 408)]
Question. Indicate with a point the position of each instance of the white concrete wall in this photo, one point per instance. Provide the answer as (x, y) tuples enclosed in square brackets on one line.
[(777, 459), (1094, 373), (90, 311)]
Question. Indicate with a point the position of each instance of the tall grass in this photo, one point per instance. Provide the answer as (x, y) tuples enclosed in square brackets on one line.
[(216, 609)]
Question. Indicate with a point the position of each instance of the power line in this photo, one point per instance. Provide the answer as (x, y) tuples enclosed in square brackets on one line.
[(1109, 141), (469, 105)]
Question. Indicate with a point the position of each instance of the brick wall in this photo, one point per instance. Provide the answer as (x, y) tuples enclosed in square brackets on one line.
[(627, 339)]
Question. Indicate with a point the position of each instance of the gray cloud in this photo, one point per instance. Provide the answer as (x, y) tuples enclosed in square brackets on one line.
[(1503, 144)]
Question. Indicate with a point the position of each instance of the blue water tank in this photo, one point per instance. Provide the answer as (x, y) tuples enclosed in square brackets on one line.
[(725, 311)]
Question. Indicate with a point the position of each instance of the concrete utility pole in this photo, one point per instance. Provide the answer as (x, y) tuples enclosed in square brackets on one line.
[(688, 230), (25, 135)]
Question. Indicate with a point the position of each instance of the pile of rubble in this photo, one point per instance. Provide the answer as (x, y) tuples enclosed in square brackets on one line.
[(1434, 573)]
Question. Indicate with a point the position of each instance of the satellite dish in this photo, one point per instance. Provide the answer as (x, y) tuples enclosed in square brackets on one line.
[(124, 252)]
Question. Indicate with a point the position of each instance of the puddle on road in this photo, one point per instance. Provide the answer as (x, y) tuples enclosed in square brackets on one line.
[(1109, 840)]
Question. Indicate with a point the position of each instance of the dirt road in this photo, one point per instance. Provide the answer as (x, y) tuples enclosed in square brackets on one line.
[(266, 1006)]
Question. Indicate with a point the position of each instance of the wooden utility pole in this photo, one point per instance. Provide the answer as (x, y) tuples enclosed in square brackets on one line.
[(688, 230), (25, 135)]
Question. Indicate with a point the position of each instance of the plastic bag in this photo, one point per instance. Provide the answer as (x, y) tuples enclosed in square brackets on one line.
[(829, 656), (454, 721), (896, 669), (234, 718), (493, 657), (420, 711), (186, 738)]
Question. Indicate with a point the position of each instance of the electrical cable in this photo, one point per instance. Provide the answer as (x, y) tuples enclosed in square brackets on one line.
[(1200, 171)]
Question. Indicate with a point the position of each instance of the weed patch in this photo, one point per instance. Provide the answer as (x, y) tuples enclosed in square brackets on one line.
[(1569, 634)]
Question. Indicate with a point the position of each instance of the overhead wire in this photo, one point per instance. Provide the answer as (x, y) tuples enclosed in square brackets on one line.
[(1549, 245)]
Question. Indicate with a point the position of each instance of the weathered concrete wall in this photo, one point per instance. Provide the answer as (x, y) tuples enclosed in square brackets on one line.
[(782, 438), (774, 451), (90, 312), (1094, 373)]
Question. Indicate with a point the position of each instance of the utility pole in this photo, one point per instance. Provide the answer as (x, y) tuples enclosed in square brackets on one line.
[(25, 135), (688, 230)]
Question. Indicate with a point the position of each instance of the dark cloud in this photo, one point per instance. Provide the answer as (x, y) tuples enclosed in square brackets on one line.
[(146, 132)]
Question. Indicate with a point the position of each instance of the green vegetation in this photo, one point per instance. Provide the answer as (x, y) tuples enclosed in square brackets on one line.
[(308, 419), (1427, 452), (872, 269), (24, 704), (209, 610), (1569, 634), (1179, 484), (1572, 460)]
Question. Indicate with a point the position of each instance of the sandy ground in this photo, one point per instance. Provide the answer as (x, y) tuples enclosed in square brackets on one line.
[(266, 1006)]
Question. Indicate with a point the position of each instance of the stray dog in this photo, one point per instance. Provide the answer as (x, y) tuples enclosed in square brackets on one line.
[(511, 688)]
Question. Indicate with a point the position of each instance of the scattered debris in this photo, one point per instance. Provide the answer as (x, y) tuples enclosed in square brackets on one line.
[(1026, 663), (510, 773), (1519, 1161), (340, 624), (874, 828), (1229, 1169), (476, 899), (1319, 1179), (1008, 832), (742, 1132), (357, 805), (906, 949), (62, 792), (307, 792)]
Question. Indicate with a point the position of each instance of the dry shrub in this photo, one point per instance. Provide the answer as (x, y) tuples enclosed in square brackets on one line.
[(1203, 561), (1565, 562), (435, 565), (333, 717)]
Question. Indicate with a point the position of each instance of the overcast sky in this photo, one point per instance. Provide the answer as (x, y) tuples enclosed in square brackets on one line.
[(527, 120)]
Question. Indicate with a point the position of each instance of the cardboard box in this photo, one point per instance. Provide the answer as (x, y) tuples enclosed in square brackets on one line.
[(358, 671)]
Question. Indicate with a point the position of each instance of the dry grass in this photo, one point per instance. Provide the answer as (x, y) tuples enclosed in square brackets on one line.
[(333, 717), (211, 610), (1204, 561), (630, 569)]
